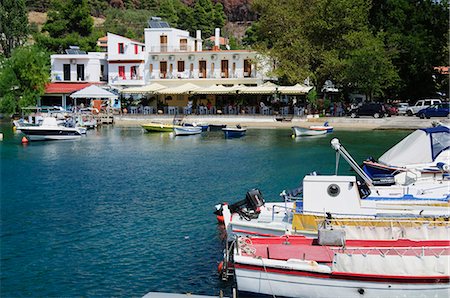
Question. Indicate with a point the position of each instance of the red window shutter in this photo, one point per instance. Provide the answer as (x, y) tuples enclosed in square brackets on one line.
[(118, 49), (135, 48), (122, 72)]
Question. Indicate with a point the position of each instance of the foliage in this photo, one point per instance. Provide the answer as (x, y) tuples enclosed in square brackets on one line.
[(23, 78), (311, 98), (68, 23), (418, 30), (13, 25), (129, 23)]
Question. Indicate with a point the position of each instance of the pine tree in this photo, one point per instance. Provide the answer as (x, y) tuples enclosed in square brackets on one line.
[(219, 15), (13, 25)]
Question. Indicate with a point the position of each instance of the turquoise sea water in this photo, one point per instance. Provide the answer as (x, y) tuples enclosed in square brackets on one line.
[(121, 212)]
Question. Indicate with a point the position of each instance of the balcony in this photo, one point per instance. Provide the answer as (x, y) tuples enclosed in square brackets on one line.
[(134, 80), (169, 49)]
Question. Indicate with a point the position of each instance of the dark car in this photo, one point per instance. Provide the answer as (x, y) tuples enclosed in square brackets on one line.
[(439, 110), (373, 109)]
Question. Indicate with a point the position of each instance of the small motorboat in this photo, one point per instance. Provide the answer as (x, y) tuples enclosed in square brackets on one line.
[(234, 132), (158, 127), (187, 130), (203, 125), (325, 127), (216, 127), (50, 129), (300, 131)]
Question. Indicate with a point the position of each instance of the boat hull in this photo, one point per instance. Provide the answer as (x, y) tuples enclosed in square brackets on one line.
[(328, 129), (187, 130), (265, 281), (158, 127), (234, 132), (300, 131), (50, 134)]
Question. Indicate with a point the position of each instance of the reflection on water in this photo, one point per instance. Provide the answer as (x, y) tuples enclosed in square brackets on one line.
[(121, 212)]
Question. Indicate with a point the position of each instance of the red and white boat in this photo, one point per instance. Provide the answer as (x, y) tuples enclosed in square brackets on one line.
[(296, 266)]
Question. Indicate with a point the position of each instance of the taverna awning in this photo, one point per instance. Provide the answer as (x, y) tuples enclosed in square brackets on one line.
[(147, 89), (182, 89), (266, 88), (93, 92), (217, 89), (293, 90)]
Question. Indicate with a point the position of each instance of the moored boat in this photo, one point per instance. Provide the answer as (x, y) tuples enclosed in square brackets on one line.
[(158, 127), (301, 131), (50, 129), (302, 267), (216, 127), (187, 130), (203, 125), (234, 132), (325, 127)]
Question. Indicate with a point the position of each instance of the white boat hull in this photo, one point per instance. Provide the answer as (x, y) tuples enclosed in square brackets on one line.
[(187, 130), (300, 131), (269, 283), (52, 138)]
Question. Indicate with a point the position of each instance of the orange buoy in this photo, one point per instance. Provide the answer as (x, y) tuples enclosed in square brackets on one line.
[(220, 268), (24, 140)]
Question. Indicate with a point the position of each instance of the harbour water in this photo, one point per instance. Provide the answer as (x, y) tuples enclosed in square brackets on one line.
[(122, 213)]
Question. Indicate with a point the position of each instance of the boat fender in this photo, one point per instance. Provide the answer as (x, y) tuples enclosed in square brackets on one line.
[(24, 140), (220, 268)]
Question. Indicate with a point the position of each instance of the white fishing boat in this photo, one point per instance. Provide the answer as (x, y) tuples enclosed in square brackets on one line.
[(304, 132), (301, 267), (350, 201), (187, 130), (50, 129)]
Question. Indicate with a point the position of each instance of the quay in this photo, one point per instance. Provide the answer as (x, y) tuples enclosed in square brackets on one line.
[(260, 121)]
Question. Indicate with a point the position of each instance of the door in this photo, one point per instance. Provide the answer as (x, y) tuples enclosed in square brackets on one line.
[(122, 72), (202, 69), (224, 69), (163, 43), (163, 69), (80, 72), (247, 68)]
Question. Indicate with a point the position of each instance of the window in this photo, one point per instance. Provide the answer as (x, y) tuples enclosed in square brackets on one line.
[(66, 72), (102, 73), (195, 46), (183, 44), (121, 48), (122, 72), (427, 102), (80, 72), (143, 48), (133, 73), (136, 50), (180, 66)]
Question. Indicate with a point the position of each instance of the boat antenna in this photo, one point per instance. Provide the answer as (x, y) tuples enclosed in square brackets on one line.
[(336, 145)]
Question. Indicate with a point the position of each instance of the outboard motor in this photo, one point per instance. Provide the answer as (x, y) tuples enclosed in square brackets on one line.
[(248, 208)]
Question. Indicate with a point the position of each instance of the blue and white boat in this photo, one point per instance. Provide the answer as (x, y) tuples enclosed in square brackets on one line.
[(234, 132), (326, 127), (187, 130), (426, 150), (203, 125)]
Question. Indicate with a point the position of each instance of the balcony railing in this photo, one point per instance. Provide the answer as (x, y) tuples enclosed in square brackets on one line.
[(126, 79), (165, 48), (198, 75)]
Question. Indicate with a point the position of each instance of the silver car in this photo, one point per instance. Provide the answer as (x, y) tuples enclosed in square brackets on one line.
[(402, 107)]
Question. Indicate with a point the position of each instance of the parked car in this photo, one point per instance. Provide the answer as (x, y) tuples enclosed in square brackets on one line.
[(421, 104), (391, 110), (402, 107), (373, 109), (439, 110)]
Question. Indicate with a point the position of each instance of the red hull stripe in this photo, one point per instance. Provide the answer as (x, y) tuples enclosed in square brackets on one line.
[(352, 276)]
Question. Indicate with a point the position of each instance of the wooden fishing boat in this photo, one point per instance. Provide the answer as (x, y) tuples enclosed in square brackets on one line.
[(325, 127), (304, 132), (187, 130), (304, 267)]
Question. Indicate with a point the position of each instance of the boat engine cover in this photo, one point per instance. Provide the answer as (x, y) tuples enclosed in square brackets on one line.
[(254, 199)]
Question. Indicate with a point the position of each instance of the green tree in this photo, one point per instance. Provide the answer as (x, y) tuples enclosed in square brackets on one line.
[(219, 15), (69, 22), (168, 12), (22, 78), (204, 16), (129, 22), (13, 25), (418, 30)]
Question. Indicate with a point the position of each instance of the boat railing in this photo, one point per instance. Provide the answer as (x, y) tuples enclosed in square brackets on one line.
[(385, 223), (420, 251)]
